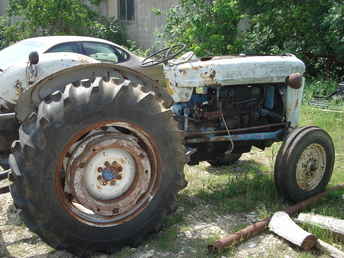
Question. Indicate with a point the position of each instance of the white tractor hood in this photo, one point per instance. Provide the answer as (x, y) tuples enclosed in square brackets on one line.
[(234, 70)]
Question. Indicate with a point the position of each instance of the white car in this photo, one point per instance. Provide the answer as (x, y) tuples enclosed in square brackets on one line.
[(81, 50)]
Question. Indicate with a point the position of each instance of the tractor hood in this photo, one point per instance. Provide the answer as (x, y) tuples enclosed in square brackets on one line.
[(234, 70)]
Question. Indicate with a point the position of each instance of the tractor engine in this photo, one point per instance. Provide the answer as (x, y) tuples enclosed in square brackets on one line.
[(229, 109)]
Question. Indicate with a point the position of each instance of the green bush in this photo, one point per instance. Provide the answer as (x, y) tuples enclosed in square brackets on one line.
[(207, 28), (63, 17), (316, 87), (109, 29), (311, 29), (3, 28)]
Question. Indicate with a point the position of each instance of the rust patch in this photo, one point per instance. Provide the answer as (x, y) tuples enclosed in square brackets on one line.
[(19, 88), (183, 71), (209, 77), (196, 67), (294, 80)]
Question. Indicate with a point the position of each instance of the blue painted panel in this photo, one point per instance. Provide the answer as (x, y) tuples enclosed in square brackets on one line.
[(270, 97)]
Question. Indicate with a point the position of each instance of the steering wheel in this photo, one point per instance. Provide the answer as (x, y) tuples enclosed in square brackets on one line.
[(163, 55)]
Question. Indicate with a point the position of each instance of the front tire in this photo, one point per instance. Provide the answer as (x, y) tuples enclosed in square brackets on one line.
[(304, 163), (98, 166)]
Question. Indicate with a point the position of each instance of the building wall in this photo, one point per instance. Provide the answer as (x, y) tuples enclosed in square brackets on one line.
[(146, 25), (3, 6)]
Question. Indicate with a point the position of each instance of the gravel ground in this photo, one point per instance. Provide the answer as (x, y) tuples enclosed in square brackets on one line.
[(202, 225), (17, 241)]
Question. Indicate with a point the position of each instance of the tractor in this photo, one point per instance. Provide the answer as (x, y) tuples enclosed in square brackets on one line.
[(94, 151)]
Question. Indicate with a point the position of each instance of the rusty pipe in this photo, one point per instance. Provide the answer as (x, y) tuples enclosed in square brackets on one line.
[(260, 226)]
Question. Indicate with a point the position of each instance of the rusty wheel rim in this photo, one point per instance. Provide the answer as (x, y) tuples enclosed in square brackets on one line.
[(108, 173), (311, 166)]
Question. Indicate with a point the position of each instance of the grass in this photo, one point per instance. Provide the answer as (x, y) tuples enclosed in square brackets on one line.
[(323, 88), (244, 188), (248, 185), (333, 205), (233, 192), (333, 123)]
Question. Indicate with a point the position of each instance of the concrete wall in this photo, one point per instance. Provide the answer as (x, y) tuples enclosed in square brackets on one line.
[(3, 6), (146, 25)]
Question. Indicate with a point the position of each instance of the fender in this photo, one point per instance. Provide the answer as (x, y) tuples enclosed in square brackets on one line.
[(29, 100)]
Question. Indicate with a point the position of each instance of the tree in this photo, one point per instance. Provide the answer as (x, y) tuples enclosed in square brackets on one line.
[(63, 17), (311, 29), (207, 28), (54, 17)]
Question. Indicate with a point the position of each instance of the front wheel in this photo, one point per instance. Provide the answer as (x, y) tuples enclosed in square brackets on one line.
[(304, 163), (97, 167)]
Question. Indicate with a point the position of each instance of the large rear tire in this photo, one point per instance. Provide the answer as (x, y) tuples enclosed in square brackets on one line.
[(98, 166), (304, 163)]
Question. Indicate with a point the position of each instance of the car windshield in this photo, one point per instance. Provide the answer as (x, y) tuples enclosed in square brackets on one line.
[(19, 51)]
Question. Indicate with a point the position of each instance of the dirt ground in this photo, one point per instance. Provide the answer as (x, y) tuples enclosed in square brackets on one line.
[(17, 241), (201, 225)]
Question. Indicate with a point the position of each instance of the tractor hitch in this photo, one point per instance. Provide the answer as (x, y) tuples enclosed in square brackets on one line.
[(3, 176)]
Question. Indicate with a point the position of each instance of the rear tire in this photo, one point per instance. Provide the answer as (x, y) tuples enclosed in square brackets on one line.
[(304, 163), (50, 143)]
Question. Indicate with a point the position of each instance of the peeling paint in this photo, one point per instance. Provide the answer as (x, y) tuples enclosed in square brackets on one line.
[(18, 78), (293, 103), (230, 70)]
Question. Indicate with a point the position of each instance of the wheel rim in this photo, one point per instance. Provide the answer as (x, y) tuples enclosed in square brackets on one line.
[(108, 173), (311, 167)]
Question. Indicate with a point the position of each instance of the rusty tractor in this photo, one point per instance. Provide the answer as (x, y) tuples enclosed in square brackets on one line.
[(101, 136)]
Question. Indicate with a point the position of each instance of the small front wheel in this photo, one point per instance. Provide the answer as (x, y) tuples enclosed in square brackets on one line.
[(304, 163)]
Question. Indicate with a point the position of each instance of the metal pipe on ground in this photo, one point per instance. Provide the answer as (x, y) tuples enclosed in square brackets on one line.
[(260, 226)]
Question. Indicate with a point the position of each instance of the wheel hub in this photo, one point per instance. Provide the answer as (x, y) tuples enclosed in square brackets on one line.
[(109, 173), (311, 167)]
